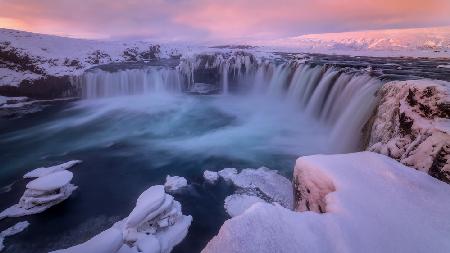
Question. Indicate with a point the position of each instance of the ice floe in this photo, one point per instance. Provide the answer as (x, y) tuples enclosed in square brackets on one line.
[(17, 228), (155, 225), (174, 183)]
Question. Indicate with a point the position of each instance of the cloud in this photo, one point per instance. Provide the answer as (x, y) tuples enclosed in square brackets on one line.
[(217, 20)]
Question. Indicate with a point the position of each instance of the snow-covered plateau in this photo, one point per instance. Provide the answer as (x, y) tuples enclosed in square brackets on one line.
[(360, 202)]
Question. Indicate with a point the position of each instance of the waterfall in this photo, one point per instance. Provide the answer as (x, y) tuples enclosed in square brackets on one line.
[(342, 99), (99, 83)]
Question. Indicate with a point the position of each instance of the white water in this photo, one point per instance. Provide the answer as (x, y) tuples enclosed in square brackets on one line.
[(341, 102)]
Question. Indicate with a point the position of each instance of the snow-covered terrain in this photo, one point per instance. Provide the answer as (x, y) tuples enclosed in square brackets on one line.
[(412, 125), (17, 228), (376, 205), (27, 56), (427, 42)]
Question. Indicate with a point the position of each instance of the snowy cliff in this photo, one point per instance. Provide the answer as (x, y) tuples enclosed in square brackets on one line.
[(370, 203), (412, 125)]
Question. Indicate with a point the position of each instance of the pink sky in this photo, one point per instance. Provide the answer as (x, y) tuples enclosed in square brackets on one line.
[(217, 20)]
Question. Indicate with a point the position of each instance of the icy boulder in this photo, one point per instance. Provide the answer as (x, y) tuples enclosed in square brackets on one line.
[(42, 193), (17, 228), (254, 186), (174, 183), (210, 176), (155, 225), (412, 125), (372, 203)]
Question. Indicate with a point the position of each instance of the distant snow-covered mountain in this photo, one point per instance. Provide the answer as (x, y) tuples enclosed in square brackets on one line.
[(431, 42)]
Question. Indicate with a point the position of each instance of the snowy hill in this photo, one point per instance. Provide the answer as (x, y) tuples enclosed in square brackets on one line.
[(431, 42), (27, 56)]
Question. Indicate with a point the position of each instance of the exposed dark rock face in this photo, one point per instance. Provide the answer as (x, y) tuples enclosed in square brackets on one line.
[(49, 87), (310, 190), (412, 125)]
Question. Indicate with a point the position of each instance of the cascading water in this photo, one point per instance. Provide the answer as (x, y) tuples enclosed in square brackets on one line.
[(340, 100), (99, 83)]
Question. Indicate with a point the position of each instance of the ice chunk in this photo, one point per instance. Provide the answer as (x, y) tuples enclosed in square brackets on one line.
[(210, 176), (39, 172), (174, 183), (236, 204), (227, 173)]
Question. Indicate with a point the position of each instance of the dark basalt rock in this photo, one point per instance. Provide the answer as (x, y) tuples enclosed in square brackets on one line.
[(49, 87)]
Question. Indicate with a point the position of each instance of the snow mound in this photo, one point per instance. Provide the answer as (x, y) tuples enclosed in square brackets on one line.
[(17, 228), (39, 172), (174, 183), (376, 204), (52, 186), (210, 176), (412, 125), (155, 225), (236, 204)]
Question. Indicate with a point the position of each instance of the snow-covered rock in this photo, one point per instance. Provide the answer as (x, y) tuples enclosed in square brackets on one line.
[(210, 176), (155, 225), (264, 182), (376, 204), (39, 172), (254, 186), (412, 125), (174, 183), (17, 228), (52, 186)]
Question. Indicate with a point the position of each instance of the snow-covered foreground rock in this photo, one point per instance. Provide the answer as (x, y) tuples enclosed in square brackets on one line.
[(412, 125), (372, 203), (51, 186), (155, 225), (17, 228)]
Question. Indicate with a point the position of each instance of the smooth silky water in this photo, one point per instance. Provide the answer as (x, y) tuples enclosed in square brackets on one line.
[(129, 143)]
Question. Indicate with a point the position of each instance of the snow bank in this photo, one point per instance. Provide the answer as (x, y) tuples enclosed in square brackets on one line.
[(17, 228), (52, 186), (174, 183), (412, 125), (375, 205), (155, 225)]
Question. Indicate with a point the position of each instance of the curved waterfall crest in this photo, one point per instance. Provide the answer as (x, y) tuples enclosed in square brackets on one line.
[(342, 99)]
